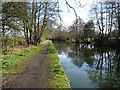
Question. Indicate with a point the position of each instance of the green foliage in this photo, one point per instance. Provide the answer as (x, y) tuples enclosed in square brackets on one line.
[(14, 14), (60, 80), (111, 38), (5, 51), (10, 61), (16, 59)]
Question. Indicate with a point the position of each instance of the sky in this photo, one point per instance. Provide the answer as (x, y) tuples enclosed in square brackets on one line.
[(68, 16)]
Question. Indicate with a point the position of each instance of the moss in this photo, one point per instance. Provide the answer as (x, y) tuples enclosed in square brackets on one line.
[(60, 80)]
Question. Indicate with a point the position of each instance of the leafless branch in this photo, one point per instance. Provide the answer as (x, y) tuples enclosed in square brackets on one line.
[(71, 7), (58, 10)]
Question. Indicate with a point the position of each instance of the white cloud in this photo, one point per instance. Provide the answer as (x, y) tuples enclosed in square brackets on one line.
[(67, 21)]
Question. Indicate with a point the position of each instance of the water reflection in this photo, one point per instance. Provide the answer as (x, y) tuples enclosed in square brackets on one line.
[(103, 64)]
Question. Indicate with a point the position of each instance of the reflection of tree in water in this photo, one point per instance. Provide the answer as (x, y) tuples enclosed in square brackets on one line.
[(80, 54), (61, 47), (104, 64), (74, 55), (106, 71)]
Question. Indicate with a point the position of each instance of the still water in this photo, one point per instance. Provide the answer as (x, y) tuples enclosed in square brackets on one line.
[(87, 66)]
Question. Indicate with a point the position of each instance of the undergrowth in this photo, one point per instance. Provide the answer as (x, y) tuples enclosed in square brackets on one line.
[(15, 59)]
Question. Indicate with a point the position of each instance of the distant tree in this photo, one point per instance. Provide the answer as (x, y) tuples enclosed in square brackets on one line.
[(76, 30), (106, 17), (89, 29)]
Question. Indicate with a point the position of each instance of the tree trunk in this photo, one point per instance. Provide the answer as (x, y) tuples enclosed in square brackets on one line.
[(44, 22)]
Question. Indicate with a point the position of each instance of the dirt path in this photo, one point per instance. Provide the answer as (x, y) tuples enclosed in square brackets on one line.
[(36, 75)]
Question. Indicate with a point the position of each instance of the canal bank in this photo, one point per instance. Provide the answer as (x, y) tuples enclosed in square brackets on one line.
[(60, 80)]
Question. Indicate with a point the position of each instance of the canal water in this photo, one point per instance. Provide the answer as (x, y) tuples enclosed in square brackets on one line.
[(88, 66)]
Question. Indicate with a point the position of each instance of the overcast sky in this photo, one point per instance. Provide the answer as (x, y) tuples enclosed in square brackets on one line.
[(69, 16)]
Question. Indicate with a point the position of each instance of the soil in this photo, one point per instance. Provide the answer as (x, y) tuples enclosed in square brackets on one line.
[(35, 75)]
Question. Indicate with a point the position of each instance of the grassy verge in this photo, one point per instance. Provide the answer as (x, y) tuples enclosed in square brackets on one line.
[(60, 80), (16, 62)]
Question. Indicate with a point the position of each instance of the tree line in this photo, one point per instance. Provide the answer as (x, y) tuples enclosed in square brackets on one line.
[(26, 23), (29, 23), (103, 26), (106, 16)]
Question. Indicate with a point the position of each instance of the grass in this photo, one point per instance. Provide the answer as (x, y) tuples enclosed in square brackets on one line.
[(16, 62), (60, 80), (13, 60)]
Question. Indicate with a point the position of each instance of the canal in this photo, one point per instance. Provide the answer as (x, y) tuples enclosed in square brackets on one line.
[(88, 66)]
